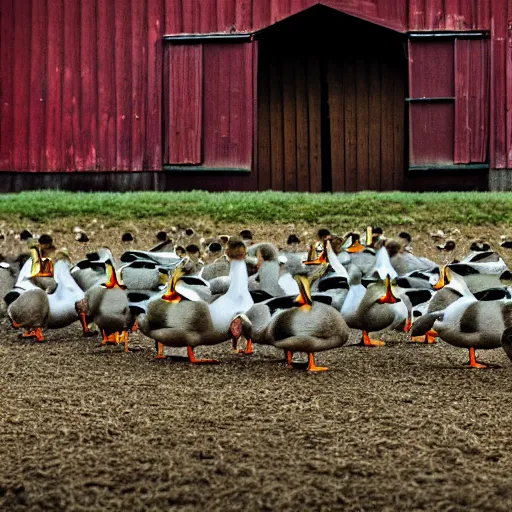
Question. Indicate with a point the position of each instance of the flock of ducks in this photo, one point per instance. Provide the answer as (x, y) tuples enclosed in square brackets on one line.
[(301, 302)]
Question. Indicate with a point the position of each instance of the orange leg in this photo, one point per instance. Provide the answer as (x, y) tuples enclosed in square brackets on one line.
[(135, 326), (192, 357), (312, 366), (473, 363), (408, 325), (124, 339), (160, 351), (367, 342), (248, 350), (110, 338), (289, 356), (16, 325), (35, 333)]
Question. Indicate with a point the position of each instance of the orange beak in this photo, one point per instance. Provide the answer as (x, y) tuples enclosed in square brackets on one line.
[(388, 297), (321, 259), (171, 295), (443, 279), (112, 281), (304, 297), (356, 247)]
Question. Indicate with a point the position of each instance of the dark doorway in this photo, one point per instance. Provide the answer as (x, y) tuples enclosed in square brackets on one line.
[(331, 100)]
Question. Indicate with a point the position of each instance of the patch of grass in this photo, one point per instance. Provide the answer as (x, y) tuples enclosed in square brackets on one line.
[(385, 208)]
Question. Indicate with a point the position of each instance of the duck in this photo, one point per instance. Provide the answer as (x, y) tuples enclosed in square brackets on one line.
[(237, 299), (376, 307), (172, 320), (308, 326), (106, 305), (28, 306), (469, 323)]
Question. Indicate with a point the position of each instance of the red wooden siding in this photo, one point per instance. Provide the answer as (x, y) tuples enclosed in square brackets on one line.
[(82, 81), (203, 16), (471, 101), (81, 85), (185, 103), (449, 14)]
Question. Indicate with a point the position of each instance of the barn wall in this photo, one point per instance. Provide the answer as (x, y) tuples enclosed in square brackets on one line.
[(81, 85), (81, 81)]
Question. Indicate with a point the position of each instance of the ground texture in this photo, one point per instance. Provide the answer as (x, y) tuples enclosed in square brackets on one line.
[(401, 427)]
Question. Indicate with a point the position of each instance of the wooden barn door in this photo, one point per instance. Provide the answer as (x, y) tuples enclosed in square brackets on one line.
[(331, 106)]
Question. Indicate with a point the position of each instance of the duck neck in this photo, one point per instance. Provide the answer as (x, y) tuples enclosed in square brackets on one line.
[(239, 278)]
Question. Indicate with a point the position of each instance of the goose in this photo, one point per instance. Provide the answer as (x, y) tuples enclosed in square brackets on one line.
[(376, 307), (469, 323), (173, 321), (106, 304), (237, 299), (308, 326)]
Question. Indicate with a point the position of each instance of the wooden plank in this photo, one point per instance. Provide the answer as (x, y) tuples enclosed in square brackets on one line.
[(509, 92), (350, 126), (362, 120), (431, 65), (276, 121), (315, 124), (434, 15), (173, 17), (261, 14), (398, 126), (386, 140), (337, 122), (228, 120), (37, 160), (22, 42), (226, 15), (289, 127), (498, 102), (106, 156), (244, 15), (301, 109), (416, 14), (452, 14), (89, 65), (166, 101), (139, 82), (480, 136), (71, 88), (7, 90), (432, 133), (462, 103), (264, 129), (374, 135), (208, 16), (185, 105), (123, 84), (154, 136)]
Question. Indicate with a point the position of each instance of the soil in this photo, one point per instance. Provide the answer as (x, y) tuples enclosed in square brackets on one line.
[(401, 427)]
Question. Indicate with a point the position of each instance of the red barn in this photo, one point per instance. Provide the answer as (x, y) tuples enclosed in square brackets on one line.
[(294, 95)]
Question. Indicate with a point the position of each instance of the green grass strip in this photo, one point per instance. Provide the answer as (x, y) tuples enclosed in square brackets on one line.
[(386, 208)]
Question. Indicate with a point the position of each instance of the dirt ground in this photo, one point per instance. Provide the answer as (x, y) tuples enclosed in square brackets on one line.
[(401, 427)]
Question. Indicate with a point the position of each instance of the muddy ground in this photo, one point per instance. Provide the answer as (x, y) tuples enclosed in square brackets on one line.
[(401, 427)]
